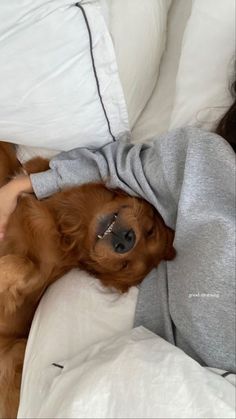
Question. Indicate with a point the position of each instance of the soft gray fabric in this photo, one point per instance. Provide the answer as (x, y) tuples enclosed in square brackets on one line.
[(189, 176)]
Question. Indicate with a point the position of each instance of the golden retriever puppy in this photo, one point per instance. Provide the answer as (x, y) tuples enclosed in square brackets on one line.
[(115, 237)]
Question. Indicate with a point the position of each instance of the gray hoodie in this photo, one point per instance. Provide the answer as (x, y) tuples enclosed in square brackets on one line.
[(189, 177)]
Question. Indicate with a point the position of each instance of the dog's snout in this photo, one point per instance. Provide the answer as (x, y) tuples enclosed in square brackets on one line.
[(123, 240)]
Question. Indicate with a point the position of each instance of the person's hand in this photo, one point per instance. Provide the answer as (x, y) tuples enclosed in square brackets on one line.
[(9, 194)]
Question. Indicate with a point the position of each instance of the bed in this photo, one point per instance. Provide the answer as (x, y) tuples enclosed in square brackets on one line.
[(150, 69)]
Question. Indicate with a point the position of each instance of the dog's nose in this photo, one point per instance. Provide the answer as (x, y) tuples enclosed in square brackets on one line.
[(123, 240)]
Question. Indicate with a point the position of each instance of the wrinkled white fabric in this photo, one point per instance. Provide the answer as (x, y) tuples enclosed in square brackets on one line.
[(133, 375), (75, 313)]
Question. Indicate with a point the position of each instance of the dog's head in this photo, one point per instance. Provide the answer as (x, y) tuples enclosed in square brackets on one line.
[(116, 237)]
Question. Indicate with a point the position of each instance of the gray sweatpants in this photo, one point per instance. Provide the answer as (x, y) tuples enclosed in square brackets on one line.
[(189, 176)]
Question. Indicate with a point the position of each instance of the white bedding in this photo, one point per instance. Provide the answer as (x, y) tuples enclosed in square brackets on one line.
[(50, 55), (89, 330), (196, 69), (135, 374), (155, 118), (66, 89), (206, 66), (138, 30)]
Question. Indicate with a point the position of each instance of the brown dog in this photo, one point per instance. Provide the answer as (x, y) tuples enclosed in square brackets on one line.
[(115, 237)]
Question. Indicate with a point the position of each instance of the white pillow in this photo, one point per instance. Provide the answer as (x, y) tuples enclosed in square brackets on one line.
[(155, 118), (206, 65), (138, 30), (55, 91)]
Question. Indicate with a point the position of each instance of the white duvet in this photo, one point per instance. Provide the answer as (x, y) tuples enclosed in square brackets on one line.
[(84, 360), (135, 374)]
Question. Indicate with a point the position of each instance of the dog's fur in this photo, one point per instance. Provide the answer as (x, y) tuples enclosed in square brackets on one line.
[(45, 239)]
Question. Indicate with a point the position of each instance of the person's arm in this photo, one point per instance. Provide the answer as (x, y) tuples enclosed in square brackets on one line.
[(134, 168), (153, 172), (8, 198)]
